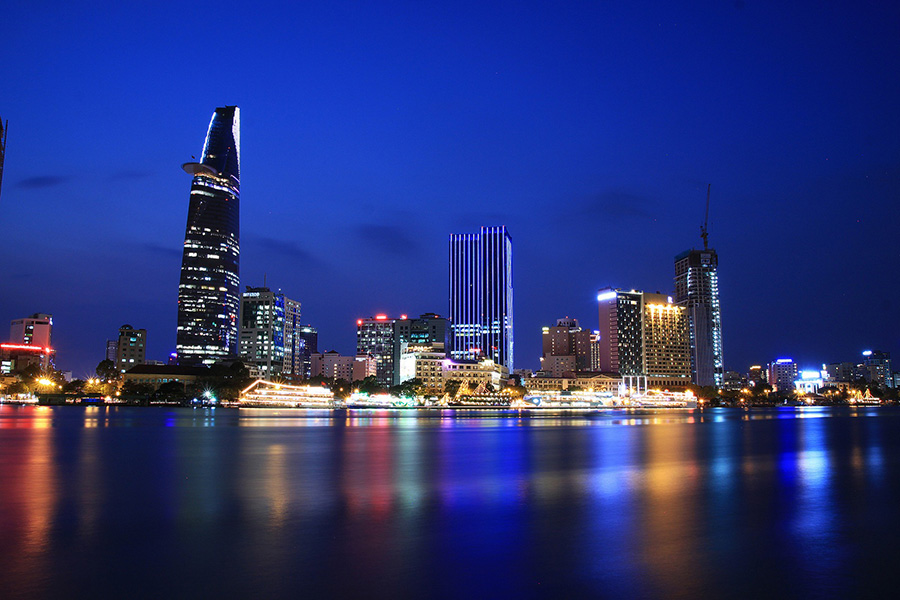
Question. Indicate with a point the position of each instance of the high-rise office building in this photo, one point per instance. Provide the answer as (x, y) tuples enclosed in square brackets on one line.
[(131, 349), (208, 293), (29, 343), (4, 127), (268, 335), (35, 330), (375, 337), (877, 367), (697, 289), (782, 374), (481, 296), (644, 335), (112, 346), (621, 334), (306, 339), (430, 330)]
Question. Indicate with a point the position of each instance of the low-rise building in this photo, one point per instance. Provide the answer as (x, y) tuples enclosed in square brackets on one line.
[(593, 382), (15, 358), (333, 365), (157, 375), (475, 372)]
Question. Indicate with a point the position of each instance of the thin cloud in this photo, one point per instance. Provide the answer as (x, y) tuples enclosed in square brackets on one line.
[(164, 250), (42, 181), (291, 250), (616, 205), (389, 239)]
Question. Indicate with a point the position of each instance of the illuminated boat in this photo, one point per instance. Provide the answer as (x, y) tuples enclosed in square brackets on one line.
[(661, 399), (363, 400), (268, 394)]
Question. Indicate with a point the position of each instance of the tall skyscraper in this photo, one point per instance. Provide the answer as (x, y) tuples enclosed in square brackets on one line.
[(3, 129), (268, 336), (208, 293), (697, 289), (481, 295), (131, 349)]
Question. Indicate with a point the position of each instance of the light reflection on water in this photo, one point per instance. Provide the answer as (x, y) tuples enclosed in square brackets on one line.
[(620, 503)]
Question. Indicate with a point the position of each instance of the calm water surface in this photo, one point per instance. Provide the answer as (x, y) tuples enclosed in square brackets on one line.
[(149, 503)]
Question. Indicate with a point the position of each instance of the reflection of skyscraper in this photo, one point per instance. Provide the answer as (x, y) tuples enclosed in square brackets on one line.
[(481, 295), (697, 289), (3, 128), (208, 298)]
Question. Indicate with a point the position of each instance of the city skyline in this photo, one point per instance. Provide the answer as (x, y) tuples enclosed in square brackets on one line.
[(591, 134)]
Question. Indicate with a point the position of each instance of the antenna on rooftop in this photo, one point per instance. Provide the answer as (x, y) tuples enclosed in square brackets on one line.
[(704, 232)]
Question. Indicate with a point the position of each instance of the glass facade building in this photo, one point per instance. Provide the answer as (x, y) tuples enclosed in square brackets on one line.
[(306, 342), (481, 296), (268, 335), (208, 293), (375, 337), (697, 289)]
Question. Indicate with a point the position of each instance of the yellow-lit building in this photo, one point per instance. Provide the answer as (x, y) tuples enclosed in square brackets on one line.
[(667, 350)]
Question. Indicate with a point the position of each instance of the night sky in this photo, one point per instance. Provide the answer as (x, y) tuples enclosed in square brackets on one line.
[(371, 131)]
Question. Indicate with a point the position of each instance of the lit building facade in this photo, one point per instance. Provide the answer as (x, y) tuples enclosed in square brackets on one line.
[(131, 348), (475, 372), (333, 365), (878, 367), (429, 329), (757, 374), (112, 346), (426, 366), (375, 337), (568, 348), (782, 374), (208, 292), (15, 358), (667, 353), (481, 296), (621, 336), (644, 335), (307, 343), (36, 330), (697, 289), (268, 342)]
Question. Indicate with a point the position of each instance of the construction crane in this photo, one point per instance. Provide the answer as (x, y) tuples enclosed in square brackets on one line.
[(704, 233)]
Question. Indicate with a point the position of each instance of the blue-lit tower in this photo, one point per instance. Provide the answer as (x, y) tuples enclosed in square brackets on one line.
[(481, 295), (208, 293)]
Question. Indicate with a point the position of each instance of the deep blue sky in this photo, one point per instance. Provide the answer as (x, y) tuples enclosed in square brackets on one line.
[(371, 131)]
